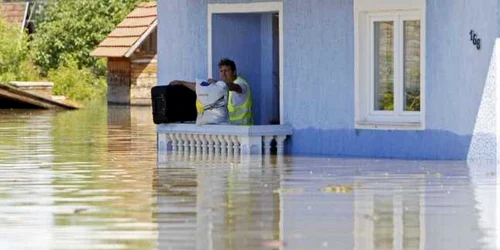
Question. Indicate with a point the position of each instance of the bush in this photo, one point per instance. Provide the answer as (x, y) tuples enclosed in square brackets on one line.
[(15, 63), (75, 83)]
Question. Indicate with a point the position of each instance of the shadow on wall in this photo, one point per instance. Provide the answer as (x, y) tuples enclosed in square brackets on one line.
[(428, 144)]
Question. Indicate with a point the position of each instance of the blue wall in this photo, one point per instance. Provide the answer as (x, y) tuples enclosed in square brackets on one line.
[(319, 77), (319, 71), (182, 40)]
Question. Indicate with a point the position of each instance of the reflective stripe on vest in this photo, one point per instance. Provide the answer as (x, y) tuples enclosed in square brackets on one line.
[(241, 114)]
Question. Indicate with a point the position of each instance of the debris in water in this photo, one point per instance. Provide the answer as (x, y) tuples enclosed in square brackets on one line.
[(289, 191), (337, 189), (273, 244), (80, 210)]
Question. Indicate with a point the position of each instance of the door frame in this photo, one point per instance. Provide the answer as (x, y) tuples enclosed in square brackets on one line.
[(268, 7)]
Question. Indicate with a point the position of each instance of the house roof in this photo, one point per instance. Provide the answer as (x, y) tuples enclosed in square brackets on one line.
[(14, 13), (130, 33)]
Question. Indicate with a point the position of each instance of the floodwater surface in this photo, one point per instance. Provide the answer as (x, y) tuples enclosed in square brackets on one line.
[(92, 179)]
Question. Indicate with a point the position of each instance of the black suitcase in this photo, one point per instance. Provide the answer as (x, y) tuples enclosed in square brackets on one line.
[(174, 103)]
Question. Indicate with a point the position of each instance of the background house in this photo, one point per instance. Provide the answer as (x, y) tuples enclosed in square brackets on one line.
[(357, 78), (131, 52), (16, 13), (22, 13)]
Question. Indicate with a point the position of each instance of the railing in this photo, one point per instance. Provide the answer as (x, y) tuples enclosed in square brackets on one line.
[(222, 139)]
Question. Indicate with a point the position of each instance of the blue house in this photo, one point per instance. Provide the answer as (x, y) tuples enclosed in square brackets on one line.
[(411, 79)]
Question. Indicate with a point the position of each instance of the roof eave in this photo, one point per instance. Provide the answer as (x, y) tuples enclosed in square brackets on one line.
[(141, 39)]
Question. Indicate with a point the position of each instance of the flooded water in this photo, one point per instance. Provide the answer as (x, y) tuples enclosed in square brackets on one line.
[(90, 179)]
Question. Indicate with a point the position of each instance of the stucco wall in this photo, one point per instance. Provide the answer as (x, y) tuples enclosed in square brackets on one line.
[(182, 40), (319, 77), (319, 67)]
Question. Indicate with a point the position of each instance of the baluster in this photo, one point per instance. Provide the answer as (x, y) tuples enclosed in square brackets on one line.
[(280, 144), (177, 141), (222, 144), (215, 138), (204, 143), (210, 144), (198, 143), (185, 142), (268, 140), (191, 143), (236, 144), (172, 141), (227, 138)]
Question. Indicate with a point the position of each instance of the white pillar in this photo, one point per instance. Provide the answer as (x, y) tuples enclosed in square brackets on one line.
[(191, 142), (227, 138), (204, 143), (185, 142), (251, 145), (268, 140), (280, 144), (175, 146), (236, 144), (222, 144), (210, 144), (215, 138)]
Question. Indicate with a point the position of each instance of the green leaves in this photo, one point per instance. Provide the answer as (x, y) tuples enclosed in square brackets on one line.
[(73, 28), (67, 31), (76, 83)]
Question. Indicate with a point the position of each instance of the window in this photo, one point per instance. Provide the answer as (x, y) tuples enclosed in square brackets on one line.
[(390, 70)]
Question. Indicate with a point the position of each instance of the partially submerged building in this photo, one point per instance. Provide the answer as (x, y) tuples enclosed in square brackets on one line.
[(131, 52), (360, 78)]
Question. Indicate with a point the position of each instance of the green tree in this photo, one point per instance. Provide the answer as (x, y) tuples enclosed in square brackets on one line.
[(71, 29)]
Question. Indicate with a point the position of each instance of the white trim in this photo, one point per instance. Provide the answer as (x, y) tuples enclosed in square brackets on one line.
[(23, 26), (366, 117), (141, 39), (249, 8)]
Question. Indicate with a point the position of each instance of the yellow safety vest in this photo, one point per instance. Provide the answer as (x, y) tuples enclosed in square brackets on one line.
[(242, 114)]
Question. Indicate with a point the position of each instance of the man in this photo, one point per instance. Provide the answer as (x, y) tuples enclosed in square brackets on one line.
[(240, 96)]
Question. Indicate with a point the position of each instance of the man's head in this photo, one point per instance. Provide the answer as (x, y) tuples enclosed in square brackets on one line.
[(227, 70)]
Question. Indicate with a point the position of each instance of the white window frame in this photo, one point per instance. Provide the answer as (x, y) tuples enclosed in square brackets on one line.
[(261, 7), (366, 117)]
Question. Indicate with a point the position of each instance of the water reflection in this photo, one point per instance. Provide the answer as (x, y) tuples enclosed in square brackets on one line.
[(90, 179), (65, 186), (304, 203)]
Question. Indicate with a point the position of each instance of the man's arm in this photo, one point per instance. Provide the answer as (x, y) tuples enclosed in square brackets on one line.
[(190, 85), (234, 87)]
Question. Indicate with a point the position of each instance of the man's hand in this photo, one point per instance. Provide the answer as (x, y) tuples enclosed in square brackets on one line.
[(211, 80), (175, 82)]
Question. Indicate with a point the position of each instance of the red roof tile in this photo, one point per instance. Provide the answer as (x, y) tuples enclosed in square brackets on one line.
[(14, 12), (128, 32)]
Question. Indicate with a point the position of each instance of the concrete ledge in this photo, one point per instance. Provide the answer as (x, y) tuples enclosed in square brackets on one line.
[(39, 88)]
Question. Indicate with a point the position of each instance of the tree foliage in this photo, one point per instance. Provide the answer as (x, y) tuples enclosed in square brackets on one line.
[(15, 62), (71, 29)]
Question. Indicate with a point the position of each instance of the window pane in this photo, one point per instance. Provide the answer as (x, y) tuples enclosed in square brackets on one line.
[(412, 65), (384, 67)]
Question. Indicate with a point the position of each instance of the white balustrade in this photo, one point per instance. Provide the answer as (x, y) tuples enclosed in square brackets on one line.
[(222, 139)]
